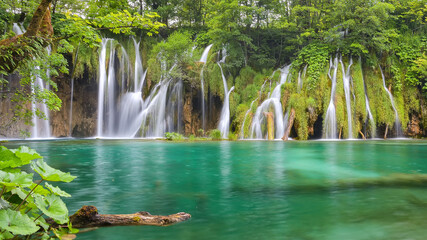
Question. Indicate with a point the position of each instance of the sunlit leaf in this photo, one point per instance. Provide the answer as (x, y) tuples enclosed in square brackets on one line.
[(57, 191), (50, 174), (52, 206), (16, 222)]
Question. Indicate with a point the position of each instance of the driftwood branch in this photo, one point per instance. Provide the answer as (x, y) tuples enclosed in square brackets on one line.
[(88, 217)]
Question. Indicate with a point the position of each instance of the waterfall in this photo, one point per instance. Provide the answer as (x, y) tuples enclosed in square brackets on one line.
[(101, 90), (155, 113), (368, 108), (70, 120), (41, 126), (300, 82), (111, 85), (346, 81), (174, 108), (272, 103), (330, 119), (242, 135), (396, 121), (203, 59), (224, 121)]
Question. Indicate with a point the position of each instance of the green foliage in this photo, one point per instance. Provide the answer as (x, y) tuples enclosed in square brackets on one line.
[(23, 200), (316, 57), (215, 134), (175, 52), (173, 136), (232, 136)]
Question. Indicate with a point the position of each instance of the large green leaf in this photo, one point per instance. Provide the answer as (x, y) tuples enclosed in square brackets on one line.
[(4, 204), (11, 158), (50, 174), (57, 191), (21, 179), (16, 222), (53, 206), (6, 235)]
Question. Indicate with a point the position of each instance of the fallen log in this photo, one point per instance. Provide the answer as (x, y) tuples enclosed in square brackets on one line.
[(88, 217)]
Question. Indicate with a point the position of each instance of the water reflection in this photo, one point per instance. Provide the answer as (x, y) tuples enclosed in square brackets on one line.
[(249, 190)]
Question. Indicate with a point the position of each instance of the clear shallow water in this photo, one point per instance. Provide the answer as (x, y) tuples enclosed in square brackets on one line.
[(247, 190)]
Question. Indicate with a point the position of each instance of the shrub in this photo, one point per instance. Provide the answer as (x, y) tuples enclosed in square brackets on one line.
[(232, 136), (173, 136), (215, 134), (24, 201)]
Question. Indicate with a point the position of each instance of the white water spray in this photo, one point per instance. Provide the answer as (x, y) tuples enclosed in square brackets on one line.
[(330, 119)]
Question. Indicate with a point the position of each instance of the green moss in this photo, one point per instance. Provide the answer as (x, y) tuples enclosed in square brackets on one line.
[(378, 98), (359, 106), (298, 102)]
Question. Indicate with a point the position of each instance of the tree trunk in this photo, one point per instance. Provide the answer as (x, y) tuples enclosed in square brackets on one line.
[(386, 131), (88, 217), (39, 32), (270, 125), (363, 135), (290, 124)]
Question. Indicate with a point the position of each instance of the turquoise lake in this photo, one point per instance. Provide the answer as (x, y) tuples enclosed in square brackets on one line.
[(249, 189)]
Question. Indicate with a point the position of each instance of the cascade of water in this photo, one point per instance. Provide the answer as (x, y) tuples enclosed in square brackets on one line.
[(330, 119), (396, 121), (111, 85), (125, 70), (131, 103), (242, 135), (204, 56), (70, 120), (153, 117), (174, 108), (139, 71), (300, 82), (272, 103), (101, 91), (368, 108), (41, 127), (203, 59), (346, 81), (224, 121)]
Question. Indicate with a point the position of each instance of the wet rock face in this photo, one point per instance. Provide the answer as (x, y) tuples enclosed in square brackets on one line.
[(83, 117), (9, 128), (84, 113), (414, 128)]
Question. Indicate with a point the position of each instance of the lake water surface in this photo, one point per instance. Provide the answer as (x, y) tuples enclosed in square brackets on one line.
[(250, 189)]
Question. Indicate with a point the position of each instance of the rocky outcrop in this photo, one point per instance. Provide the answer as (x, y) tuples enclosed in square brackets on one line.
[(10, 126), (84, 113)]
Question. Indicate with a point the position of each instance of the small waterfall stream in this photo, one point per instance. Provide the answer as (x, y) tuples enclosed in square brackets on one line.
[(397, 126), (271, 104), (41, 126), (330, 118), (101, 89), (203, 59), (242, 135), (346, 81), (224, 121), (368, 108)]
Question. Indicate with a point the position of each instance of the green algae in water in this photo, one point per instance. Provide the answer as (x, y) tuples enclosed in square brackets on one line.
[(250, 190)]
